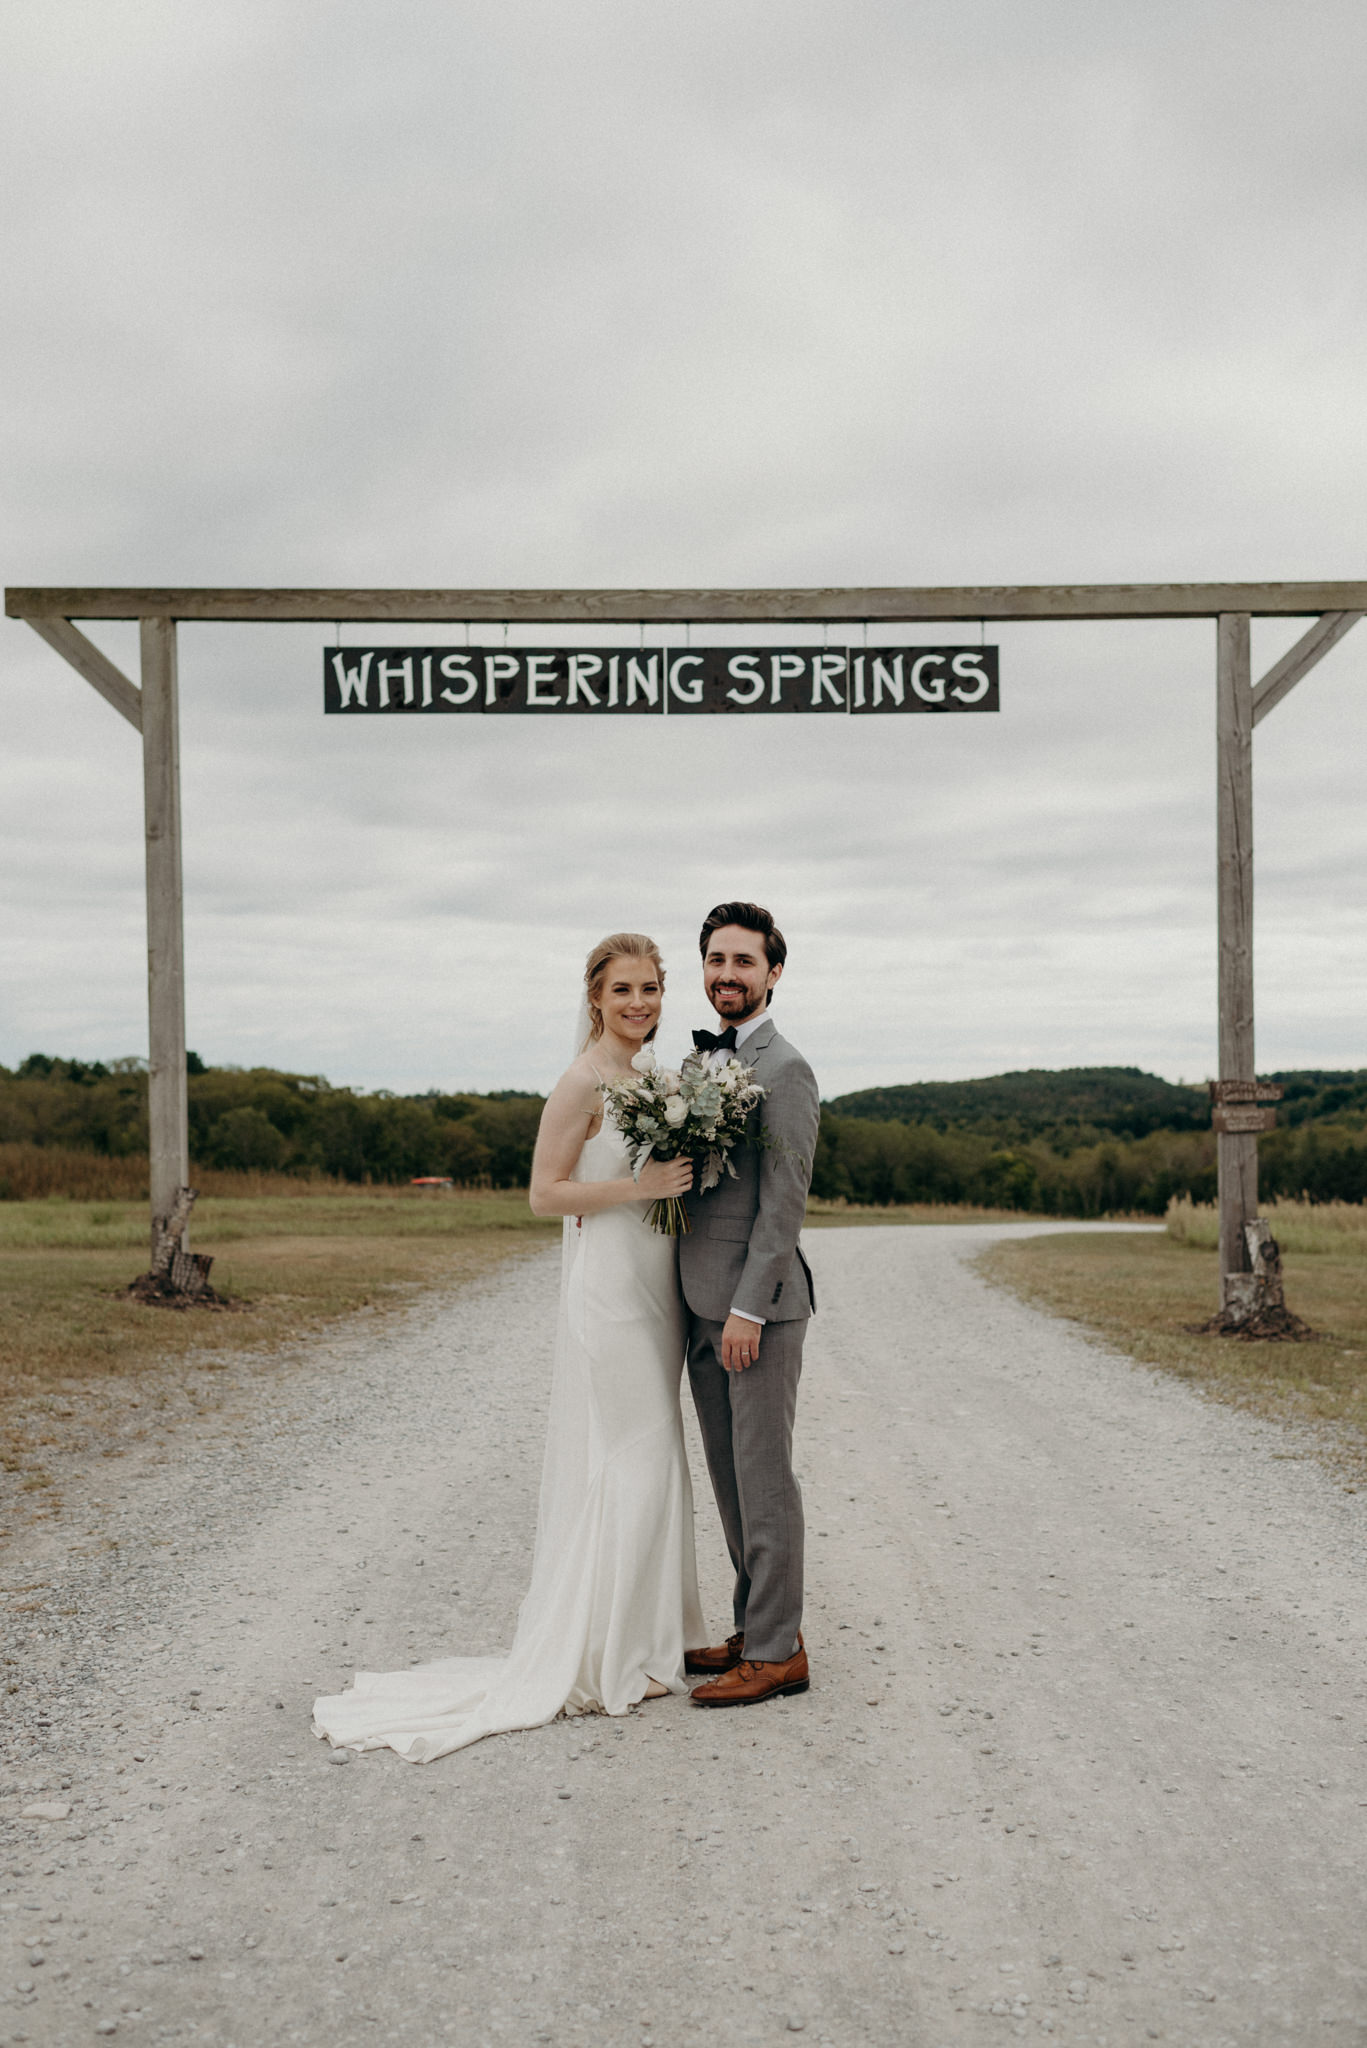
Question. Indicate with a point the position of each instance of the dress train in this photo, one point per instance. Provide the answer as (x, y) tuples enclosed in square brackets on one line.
[(613, 1601)]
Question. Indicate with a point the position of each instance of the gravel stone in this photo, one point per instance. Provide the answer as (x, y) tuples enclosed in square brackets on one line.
[(1151, 1550)]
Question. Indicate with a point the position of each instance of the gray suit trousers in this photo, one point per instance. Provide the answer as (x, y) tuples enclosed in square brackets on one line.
[(747, 1431)]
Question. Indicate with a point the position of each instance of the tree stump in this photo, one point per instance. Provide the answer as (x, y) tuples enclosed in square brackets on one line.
[(1255, 1302), (176, 1278)]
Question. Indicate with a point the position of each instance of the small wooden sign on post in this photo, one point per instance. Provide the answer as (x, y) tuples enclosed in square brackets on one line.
[(1242, 1108), (1243, 1119)]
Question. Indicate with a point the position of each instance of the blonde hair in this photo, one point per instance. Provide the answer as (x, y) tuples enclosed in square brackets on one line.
[(620, 946)]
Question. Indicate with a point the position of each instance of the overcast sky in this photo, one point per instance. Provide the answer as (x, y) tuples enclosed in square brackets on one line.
[(507, 294)]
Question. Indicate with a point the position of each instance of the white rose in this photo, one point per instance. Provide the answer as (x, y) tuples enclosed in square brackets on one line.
[(676, 1109), (644, 1061)]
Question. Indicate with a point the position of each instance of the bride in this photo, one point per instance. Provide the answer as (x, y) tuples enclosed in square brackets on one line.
[(613, 1603)]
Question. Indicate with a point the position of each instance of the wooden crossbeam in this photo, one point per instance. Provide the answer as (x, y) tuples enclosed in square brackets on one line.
[(1298, 661), (98, 670), (630, 607)]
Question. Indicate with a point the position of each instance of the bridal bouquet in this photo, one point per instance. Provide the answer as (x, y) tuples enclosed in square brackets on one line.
[(697, 1111)]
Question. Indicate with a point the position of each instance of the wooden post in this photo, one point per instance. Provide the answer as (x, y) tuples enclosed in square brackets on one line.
[(1238, 1153), (167, 1111)]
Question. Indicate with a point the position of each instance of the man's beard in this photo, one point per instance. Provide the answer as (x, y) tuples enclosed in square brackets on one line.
[(722, 1004)]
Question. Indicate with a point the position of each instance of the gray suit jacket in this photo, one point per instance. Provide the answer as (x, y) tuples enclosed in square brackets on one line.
[(742, 1251)]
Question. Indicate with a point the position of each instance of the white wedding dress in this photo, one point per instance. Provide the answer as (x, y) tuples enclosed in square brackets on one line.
[(613, 1601)]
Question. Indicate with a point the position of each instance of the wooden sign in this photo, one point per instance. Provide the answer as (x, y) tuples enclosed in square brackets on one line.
[(674, 681), (1245, 1091), (1242, 1119)]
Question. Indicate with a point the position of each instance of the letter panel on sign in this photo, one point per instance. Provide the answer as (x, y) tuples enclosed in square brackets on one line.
[(443, 679), (717, 679), (655, 680), (924, 679)]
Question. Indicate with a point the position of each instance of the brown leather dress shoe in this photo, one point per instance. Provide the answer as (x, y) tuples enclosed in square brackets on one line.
[(723, 1657), (751, 1682)]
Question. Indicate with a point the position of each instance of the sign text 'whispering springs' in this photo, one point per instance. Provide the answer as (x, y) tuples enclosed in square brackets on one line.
[(672, 681)]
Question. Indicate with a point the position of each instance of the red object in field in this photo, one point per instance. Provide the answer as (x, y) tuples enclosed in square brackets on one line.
[(431, 1180)]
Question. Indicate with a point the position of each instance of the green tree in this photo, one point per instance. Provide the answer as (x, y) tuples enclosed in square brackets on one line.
[(246, 1139)]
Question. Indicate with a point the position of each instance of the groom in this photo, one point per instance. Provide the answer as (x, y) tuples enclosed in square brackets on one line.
[(748, 1292)]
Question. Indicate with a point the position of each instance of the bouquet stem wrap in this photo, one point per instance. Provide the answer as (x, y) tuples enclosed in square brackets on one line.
[(669, 1217)]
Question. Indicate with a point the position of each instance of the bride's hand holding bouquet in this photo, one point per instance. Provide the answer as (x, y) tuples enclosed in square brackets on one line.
[(676, 1116), (664, 1179)]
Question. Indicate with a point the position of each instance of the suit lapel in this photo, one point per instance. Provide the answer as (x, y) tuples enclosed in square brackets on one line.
[(753, 1053), (758, 1042)]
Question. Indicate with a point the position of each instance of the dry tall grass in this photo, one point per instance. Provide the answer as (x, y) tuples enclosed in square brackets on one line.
[(45, 1173), (1297, 1226), (37, 1173)]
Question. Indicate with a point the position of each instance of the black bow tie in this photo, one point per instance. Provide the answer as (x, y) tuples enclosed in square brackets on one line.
[(715, 1041)]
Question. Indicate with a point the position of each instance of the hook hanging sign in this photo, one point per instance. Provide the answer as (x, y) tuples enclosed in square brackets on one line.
[(673, 681)]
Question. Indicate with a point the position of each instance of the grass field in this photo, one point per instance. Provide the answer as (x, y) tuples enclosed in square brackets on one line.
[(71, 1344), (295, 1256), (288, 1259), (292, 1255), (1147, 1293)]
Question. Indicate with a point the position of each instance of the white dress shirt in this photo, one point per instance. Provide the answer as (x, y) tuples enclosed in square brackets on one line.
[(715, 1058)]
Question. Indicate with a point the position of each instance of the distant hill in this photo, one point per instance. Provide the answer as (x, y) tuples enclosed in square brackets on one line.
[(1316, 1096), (1075, 1103)]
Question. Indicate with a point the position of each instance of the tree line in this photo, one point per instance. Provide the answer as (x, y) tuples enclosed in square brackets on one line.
[(884, 1162), (257, 1118), (1042, 1146), (1084, 1141)]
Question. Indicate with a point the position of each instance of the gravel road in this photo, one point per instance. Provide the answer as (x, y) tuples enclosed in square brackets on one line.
[(1083, 1756)]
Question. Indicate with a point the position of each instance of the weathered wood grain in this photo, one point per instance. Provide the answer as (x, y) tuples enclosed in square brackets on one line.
[(568, 607), (166, 1242), (88, 661), (1298, 661), (168, 1123), (1238, 1151)]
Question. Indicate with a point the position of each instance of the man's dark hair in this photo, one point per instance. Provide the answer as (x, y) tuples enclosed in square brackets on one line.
[(751, 918)]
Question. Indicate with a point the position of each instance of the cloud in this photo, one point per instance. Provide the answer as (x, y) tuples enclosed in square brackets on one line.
[(485, 295)]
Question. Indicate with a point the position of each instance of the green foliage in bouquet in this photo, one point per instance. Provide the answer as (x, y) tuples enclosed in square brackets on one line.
[(698, 1111)]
